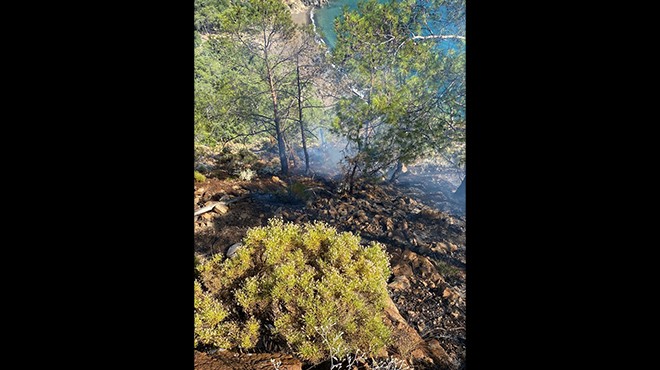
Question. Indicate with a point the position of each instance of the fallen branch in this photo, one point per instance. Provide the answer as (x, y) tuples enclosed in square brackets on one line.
[(212, 205)]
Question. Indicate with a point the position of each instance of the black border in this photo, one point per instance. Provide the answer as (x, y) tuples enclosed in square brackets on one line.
[(142, 109)]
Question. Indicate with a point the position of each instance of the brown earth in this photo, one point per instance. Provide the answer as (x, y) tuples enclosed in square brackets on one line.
[(426, 245)]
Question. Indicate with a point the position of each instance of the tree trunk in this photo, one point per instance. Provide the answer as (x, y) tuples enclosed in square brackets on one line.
[(351, 178), (397, 171), (284, 163), (291, 153), (300, 117)]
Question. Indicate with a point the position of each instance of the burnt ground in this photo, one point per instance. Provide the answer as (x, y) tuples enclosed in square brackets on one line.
[(416, 218)]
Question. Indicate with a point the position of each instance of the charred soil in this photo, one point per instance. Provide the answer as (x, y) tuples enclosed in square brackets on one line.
[(417, 220)]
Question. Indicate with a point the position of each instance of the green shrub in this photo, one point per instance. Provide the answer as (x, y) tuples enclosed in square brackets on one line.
[(199, 177), (308, 287), (298, 192)]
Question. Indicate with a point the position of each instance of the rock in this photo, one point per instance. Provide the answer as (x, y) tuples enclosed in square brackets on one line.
[(278, 181), (409, 255), (388, 223), (402, 269), (440, 247), (400, 282), (221, 209), (437, 353), (405, 339), (233, 248), (425, 267), (436, 278), (207, 216), (450, 295)]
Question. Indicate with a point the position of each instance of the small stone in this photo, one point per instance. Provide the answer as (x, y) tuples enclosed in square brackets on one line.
[(437, 353), (440, 247), (402, 269), (221, 208), (389, 224), (233, 248), (409, 255), (400, 282), (278, 180)]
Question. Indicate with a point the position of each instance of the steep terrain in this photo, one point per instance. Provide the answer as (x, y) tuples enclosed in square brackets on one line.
[(417, 220)]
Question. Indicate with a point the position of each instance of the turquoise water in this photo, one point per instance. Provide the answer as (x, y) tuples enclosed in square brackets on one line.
[(324, 21), (325, 16)]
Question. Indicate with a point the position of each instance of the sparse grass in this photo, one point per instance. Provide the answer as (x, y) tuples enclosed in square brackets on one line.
[(445, 269)]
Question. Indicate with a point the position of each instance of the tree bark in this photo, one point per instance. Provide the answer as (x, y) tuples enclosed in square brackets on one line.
[(300, 117), (284, 164), (397, 171)]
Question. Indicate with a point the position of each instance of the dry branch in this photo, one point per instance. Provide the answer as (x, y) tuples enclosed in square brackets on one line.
[(212, 205)]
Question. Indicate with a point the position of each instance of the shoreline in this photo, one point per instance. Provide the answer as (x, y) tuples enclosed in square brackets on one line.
[(303, 17)]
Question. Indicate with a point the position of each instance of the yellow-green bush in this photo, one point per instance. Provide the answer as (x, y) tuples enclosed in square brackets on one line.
[(199, 177), (308, 287)]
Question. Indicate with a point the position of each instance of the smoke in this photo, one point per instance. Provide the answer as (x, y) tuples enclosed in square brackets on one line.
[(432, 180), (326, 158)]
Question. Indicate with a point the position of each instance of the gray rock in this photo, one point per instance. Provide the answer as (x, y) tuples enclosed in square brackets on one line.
[(233, 248)]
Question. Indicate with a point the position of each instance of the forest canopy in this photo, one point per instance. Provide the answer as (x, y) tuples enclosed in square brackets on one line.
[(392, 90)]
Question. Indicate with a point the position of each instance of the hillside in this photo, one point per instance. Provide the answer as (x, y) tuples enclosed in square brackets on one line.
[(426, 245)]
